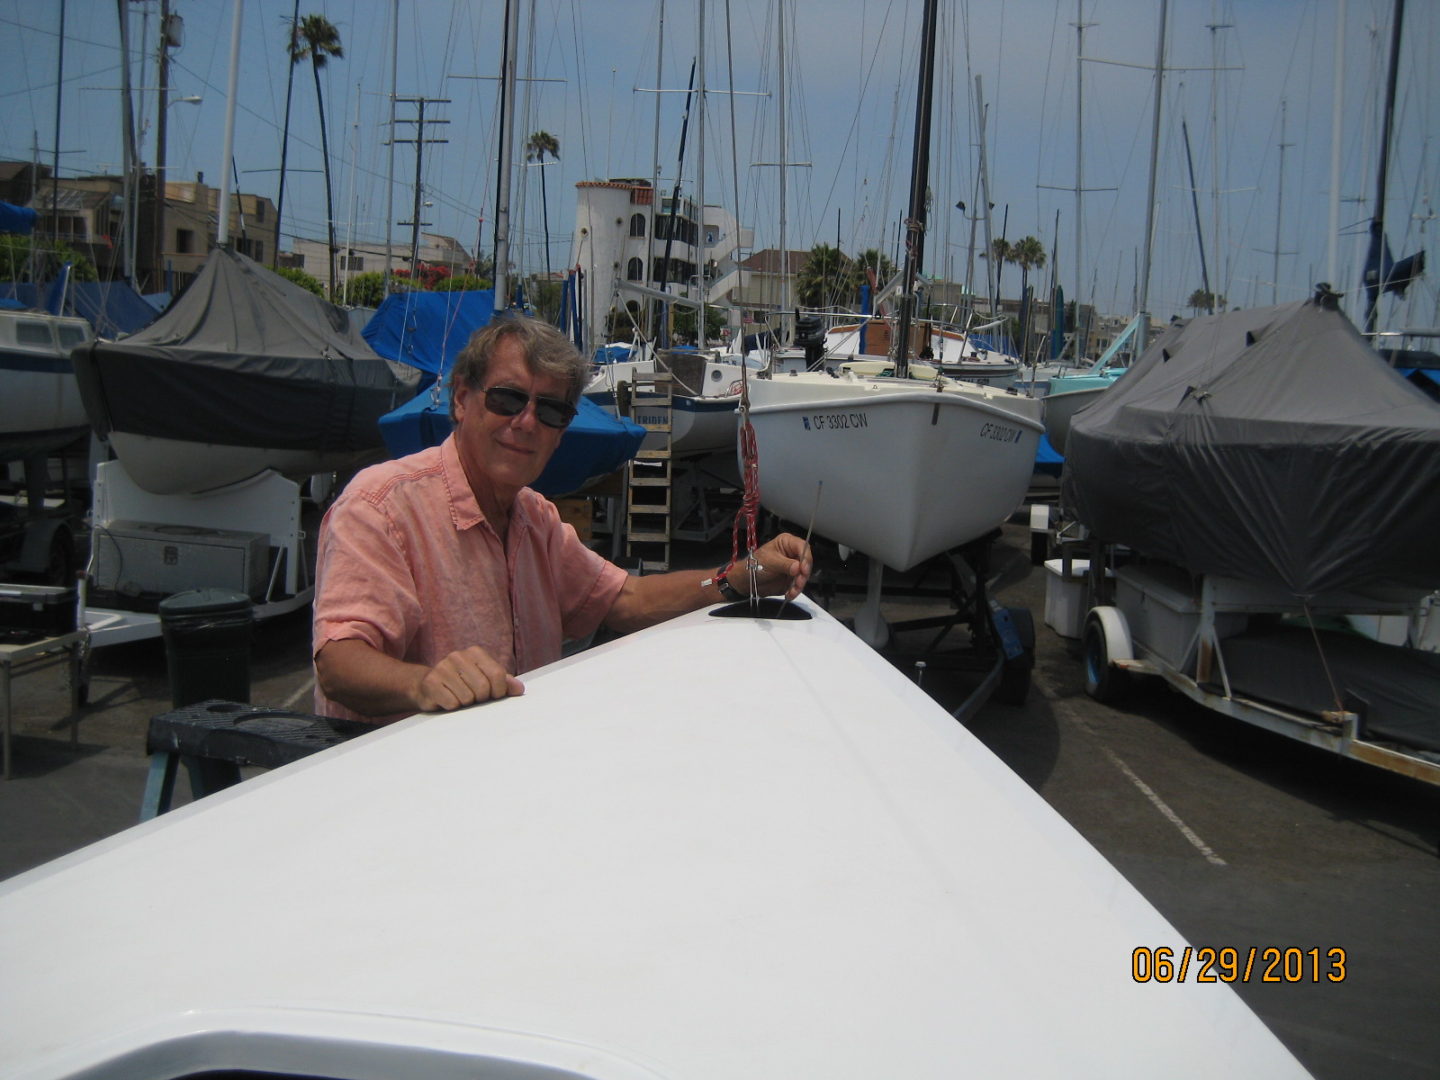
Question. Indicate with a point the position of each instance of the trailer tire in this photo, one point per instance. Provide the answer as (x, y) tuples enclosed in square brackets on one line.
[(1106, 639)]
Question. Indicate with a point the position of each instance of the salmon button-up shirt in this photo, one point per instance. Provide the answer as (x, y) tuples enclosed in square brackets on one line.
[(408, 564)]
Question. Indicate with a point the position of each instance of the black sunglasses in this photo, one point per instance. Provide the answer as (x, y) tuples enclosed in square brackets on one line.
[(507, 401)]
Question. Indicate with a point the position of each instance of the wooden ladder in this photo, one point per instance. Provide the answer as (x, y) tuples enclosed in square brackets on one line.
[(649, 474)]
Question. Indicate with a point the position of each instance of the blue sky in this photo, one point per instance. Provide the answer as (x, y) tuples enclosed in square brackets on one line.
[(850, 74)]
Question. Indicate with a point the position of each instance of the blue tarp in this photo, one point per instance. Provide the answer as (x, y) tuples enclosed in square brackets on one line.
[(426, 330), (113, 308), (595, 444), (16, 219)]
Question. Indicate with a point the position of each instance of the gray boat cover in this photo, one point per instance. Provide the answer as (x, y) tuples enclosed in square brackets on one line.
[(244, 357), (1272, 445)]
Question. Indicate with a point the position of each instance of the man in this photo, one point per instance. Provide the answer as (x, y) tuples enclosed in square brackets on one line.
[(442, 575)]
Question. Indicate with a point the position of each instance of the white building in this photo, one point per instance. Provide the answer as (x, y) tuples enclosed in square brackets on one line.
[(621, 236)]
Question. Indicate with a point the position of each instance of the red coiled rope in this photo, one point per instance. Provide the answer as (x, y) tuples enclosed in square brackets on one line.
[(749, 512)]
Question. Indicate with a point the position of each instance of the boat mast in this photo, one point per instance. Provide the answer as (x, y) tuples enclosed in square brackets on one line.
[(919, 176), (222, 233), (507, 124), (1336, 111), (787, 328), (1377, 222), (1143, 304), (701, 247)]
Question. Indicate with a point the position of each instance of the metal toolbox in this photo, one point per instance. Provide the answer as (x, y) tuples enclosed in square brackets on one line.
[(45, 610), (137, 557)]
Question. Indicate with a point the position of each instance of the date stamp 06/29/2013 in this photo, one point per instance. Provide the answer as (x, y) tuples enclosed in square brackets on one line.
[(1254, 963)]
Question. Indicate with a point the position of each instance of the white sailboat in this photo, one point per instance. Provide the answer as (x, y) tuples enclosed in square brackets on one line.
[(40, 406), (706, 387), (793, 876), (908, 468)]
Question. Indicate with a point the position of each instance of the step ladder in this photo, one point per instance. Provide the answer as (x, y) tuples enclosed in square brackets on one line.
[(649, 475)]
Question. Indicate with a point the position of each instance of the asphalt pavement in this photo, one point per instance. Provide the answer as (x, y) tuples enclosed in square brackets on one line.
[(1241, 838)]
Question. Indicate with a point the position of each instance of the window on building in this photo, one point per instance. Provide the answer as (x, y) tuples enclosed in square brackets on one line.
[(353, 263), (637, 224), (185, 241), (259, 211), (634, 270)]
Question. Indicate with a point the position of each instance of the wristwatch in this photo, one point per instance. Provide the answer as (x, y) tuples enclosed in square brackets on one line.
[(728, 591)]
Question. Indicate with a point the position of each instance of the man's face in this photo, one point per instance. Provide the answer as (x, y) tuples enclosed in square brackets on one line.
[(505, 453)]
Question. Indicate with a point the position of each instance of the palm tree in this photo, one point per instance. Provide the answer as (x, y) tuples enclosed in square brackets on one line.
[(1026, 253), (1202, 298), (316, 39), (826, 279), (538, 145), (876, 260), (1000, 253)]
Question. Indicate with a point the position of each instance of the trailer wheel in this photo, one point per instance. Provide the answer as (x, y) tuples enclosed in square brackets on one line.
[(1106, 639)]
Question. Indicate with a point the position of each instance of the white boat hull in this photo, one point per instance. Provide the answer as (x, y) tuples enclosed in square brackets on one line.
[(179, 467), (904, 471), (40, 406), (702, 419), (795, 875), (1060, 410)]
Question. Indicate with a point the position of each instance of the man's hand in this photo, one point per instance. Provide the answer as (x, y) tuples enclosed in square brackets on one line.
[(782, 565), (366, 681), (465, 677)]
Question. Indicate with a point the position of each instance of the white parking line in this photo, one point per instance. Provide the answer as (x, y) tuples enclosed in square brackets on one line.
[(304, 691), (1144, 788)]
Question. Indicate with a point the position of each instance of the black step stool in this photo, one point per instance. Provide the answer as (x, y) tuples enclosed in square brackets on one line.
[(214, 738)]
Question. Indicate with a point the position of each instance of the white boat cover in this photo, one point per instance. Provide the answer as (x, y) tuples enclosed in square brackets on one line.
[(719, 848), (1272, 445)]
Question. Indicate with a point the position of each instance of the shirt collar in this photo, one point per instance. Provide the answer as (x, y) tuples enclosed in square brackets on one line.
[(465, 509)]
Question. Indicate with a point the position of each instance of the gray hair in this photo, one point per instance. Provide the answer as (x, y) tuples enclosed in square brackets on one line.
[(547, 352)]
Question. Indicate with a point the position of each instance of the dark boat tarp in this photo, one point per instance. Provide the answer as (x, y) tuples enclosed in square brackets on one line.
[(1271, 444), (244, 358)]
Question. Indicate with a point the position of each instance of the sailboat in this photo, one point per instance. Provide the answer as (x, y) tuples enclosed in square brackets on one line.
[(906, 468), (796, 875), (244, 372), (40, 407)]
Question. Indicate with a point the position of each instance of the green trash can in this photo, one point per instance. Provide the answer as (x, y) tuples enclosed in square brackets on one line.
[(207, 645)]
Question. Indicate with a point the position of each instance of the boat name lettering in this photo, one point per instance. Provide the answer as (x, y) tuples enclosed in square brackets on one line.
[(835, 421), (1000, 433)]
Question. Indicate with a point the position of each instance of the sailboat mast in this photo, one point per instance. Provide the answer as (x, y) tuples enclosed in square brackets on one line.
[(919, 180), (222, 236), (507, 138), (1377, 222), (700, 246), (1143, 304), (787, 329)]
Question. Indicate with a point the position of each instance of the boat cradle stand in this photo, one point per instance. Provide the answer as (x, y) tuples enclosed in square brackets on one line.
[(215, 738), (1001, 639)]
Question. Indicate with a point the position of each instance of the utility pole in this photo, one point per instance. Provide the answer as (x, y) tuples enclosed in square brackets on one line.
[(420, 140)]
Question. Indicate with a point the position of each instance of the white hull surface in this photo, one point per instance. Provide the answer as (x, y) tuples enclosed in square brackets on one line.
[(1060, 410), (702, 417), (180, 467), (908, 470), (795, 875)]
